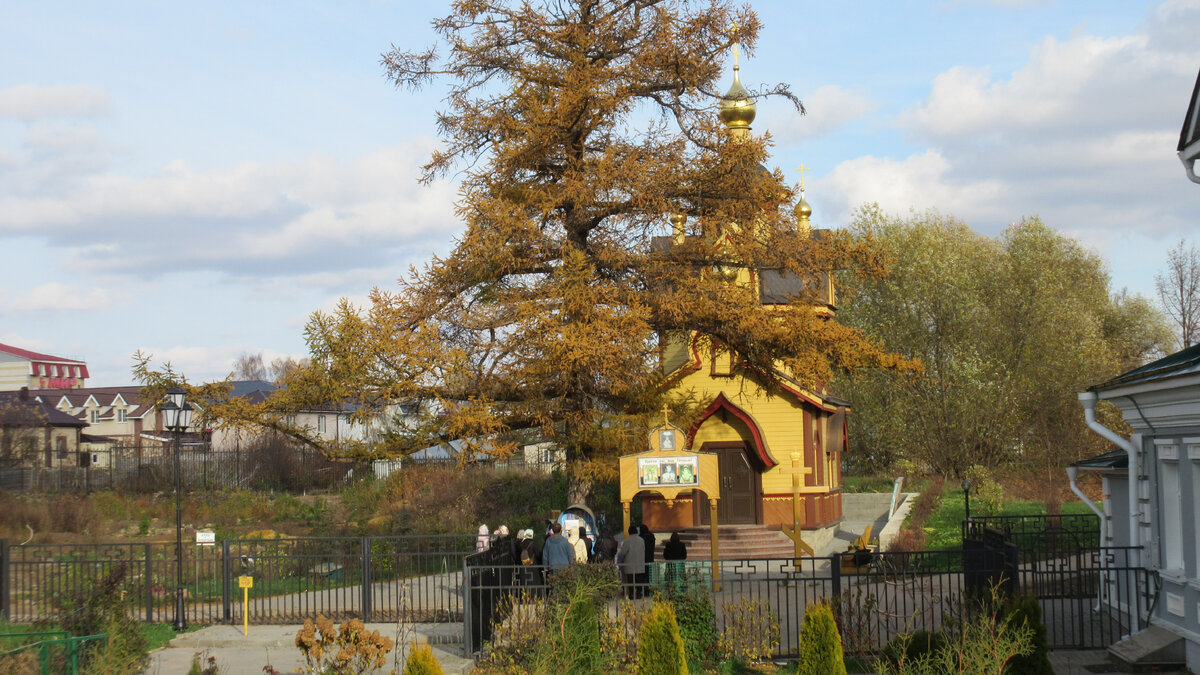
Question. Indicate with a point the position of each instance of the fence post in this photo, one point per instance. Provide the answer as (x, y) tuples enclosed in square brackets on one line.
[(366, 579), (148, 575), (835, 574), (5, 579), (466, 600), (226, 601)]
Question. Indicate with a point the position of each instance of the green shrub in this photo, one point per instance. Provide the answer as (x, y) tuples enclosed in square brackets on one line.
[(820, 643), (986, 642), (751, 631), (1028, 613), (987, 495), (572, 621), (697, 620), (102, 606), (904, 649), (421, 661), (660, 648)]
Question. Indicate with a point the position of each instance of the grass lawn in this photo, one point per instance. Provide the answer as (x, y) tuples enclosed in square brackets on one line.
[(943, 529)]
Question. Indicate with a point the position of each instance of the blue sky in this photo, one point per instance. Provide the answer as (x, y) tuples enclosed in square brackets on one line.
[(193, 180)]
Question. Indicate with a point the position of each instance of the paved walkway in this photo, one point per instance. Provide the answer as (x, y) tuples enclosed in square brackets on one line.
[(275, 645)]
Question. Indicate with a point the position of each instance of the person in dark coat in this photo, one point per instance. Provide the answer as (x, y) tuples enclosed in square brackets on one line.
[(632, 559), (674, 552), (648, 537), (674, 549), (606, 547)]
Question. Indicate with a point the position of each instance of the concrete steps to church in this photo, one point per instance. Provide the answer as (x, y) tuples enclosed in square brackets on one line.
[(737, 541)]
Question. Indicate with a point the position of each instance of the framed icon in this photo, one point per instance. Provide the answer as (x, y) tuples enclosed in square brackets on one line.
[(666, 439)]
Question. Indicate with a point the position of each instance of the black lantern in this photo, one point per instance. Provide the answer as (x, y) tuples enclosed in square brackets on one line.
[(177, 417)]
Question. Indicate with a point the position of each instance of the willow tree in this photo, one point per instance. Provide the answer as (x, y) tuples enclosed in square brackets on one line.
[(578, 129)]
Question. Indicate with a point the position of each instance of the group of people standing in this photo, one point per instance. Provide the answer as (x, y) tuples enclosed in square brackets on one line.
[(636, 555), (633, 556)]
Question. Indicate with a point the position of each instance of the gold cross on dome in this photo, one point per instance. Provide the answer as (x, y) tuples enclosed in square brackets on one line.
[(802, 169), (735, 26), (666, 410)]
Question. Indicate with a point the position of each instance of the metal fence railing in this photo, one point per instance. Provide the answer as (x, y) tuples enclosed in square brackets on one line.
[(1088, 601), (409, 578), (1039, 537)]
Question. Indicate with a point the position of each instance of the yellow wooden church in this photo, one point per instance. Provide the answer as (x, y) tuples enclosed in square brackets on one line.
[(761, 439)]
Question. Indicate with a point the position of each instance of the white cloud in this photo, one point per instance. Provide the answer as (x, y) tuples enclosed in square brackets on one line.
[(29, 102), (318, 213), (828, 109), (919, 182), (1083, 134), (55, 296)]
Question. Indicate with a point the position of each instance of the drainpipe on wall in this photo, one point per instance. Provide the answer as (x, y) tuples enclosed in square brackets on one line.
[(1088, 400)]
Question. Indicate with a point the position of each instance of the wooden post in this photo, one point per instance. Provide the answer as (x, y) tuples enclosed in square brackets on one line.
[(716, 546), (794, 532)]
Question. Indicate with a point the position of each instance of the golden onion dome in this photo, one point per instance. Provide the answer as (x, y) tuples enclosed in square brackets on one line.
[(678, 219), (737, 109), (802, 211)]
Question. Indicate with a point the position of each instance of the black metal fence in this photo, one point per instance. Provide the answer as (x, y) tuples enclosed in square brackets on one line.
[(413, 578), (1039, 537), (1088, 599)]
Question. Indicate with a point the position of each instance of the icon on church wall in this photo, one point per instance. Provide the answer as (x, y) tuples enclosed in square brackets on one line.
[(650, 474), (668, 474), (687, 473), (666, 439)]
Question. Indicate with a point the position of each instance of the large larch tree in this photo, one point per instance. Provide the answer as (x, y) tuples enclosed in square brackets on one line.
[(577, 129)]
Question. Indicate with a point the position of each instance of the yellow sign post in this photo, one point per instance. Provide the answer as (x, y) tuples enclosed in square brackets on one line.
[(245, 583)]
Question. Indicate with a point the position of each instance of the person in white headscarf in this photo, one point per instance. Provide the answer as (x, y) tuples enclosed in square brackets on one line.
[(482, 542)]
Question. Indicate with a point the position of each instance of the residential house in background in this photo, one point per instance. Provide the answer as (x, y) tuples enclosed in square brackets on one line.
[(1153, 496), (332, 423), (23, 368), (33, 433)]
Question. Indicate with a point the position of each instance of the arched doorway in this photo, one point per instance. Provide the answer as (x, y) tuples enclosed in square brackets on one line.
[(741, 486)]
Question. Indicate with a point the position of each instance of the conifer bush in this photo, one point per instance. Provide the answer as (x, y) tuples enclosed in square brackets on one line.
[(1028, 613), (820, 643), (660, 649), (421, 661)]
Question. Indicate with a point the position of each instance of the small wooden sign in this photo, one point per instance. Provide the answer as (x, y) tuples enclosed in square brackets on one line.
[(245, 582)]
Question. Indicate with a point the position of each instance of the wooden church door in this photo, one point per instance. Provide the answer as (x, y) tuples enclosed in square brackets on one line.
[(741, 487)]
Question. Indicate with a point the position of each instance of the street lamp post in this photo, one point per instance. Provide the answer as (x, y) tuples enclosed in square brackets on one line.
[(177, 416)]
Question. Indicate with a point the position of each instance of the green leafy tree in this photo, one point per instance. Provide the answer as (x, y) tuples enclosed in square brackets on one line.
[(1008, 328)]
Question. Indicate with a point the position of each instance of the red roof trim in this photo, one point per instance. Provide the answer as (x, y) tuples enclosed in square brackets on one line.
[(808, 399), (722, 403), (35, 356)]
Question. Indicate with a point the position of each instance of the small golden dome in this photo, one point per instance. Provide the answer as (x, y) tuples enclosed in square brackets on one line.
[(678, 219), (802, 211), (737, 107)]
